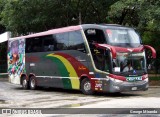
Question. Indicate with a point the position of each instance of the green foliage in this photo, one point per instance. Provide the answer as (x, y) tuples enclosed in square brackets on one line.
[(155, 78), (26, 16), (142, 14), (2, 28), (29, 16)]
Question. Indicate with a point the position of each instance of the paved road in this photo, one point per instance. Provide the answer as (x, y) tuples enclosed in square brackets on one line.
[(14, 96)]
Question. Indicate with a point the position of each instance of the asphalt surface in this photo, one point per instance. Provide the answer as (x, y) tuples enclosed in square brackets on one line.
[(13, 96)]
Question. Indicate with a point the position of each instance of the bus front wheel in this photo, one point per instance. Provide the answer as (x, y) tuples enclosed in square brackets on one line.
[(32, 83), (86, 86)]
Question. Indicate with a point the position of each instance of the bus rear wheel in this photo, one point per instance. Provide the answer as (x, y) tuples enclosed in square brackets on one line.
[(86, 86), (32, 83), (24, 83)]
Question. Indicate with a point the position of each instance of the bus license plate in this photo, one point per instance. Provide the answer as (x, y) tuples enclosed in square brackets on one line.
[(134, 88)]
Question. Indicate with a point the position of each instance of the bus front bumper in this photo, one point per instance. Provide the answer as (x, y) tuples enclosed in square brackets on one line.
[(128, 86), (110, 85)]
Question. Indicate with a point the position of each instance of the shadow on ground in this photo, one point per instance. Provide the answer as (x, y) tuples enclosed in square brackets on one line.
[(77, 92)]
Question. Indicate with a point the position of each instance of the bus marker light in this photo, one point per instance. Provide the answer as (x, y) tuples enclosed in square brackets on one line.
[(32, 64), (91, 72)]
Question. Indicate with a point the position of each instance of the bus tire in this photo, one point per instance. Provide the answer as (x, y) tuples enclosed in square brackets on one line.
[(24, 83), (86, 86), (32, 83)]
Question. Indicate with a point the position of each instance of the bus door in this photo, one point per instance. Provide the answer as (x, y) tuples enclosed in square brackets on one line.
[(100, 56)]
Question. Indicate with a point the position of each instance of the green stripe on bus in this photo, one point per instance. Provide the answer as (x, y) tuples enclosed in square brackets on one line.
[(63, 71)]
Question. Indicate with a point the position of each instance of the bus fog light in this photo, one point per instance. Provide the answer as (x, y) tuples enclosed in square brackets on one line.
[(147, 86), (117, 87)]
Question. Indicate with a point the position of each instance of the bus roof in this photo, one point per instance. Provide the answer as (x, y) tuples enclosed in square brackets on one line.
[(102, 26), (52, 31)]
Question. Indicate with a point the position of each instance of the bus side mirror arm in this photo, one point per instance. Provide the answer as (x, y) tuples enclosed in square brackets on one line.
[(111, 48), (113, 51), (152, 50)]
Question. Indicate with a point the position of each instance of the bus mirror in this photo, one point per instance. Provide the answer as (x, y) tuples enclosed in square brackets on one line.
[(152, 50), (107, 52), (107, 47)]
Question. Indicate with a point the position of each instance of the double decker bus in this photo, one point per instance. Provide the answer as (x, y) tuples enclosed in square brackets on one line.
[(88, 57)]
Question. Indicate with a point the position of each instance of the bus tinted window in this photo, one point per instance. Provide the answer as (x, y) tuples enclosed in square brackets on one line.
[(34, 44), (61, 41), (48, 44), (76, 41), (95, 36)]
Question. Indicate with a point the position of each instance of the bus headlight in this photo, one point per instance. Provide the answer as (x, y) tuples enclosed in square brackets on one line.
[(116, 80), (145, 77)]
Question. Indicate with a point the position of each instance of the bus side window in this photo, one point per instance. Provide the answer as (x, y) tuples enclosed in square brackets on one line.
[(34, 44), (48, 43), (29, 45), (76, 41), (95, 36), (61, 41)]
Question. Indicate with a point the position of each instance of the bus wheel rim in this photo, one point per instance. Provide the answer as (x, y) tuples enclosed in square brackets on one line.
[(24, 83), (32, 83), (87, 86)]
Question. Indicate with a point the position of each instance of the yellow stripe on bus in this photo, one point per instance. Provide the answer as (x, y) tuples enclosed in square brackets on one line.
[(72, 73)]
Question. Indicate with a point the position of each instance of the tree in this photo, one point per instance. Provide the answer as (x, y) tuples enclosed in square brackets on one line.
[(142, 14), (28, 16), (2, 28)]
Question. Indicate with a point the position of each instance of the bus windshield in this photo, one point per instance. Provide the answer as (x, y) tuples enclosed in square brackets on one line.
[(123, 37), (132, 63)]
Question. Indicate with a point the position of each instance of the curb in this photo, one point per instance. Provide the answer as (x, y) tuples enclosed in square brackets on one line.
[(154, 86), (3, 79)]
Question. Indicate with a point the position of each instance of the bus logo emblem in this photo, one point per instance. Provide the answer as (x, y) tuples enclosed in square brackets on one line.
[(134, 71)]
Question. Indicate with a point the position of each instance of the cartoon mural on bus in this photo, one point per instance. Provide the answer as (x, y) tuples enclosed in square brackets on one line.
[(16, 60)]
